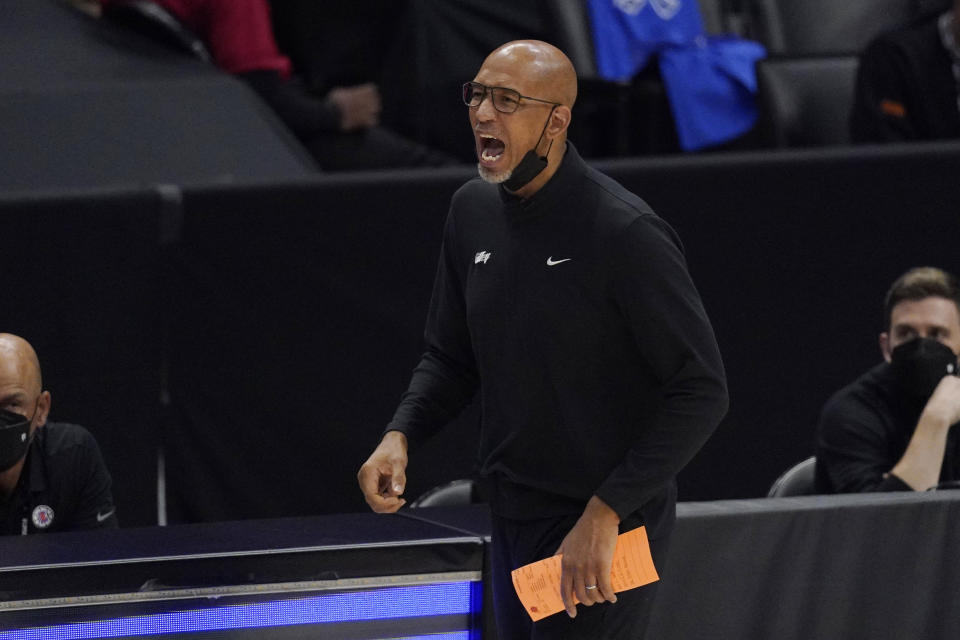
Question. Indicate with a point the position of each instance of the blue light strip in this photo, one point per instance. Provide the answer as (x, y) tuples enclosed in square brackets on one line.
[(456, 635), (381, 604)]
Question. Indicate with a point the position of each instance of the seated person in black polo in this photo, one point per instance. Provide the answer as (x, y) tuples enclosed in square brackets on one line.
[(907, 83), (894, 428), (52, 477)]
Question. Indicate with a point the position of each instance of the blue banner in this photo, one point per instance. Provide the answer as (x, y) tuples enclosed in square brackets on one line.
[(627, 32), (711, 87), (710, 81)]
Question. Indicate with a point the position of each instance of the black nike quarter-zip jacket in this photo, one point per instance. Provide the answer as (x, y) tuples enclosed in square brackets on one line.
[(573, 315)]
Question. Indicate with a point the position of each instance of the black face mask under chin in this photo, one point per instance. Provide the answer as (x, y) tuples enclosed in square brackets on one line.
[(920, 364), (530, 165), (14, 438)]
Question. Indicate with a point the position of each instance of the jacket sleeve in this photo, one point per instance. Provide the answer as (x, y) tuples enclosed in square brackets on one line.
[(675, 340), (446, 379), (93, 499), (305, 114), (852, 450)]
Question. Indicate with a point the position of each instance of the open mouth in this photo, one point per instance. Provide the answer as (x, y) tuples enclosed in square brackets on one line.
[(491, 148)]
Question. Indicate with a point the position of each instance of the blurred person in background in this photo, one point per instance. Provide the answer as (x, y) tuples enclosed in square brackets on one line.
[(893, 429), (340, 128), (907, 83)]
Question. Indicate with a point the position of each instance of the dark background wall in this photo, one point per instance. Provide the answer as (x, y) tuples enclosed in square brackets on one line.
[(793, 253), (329, 282), (298, 311), (285, 318), (81, 281)]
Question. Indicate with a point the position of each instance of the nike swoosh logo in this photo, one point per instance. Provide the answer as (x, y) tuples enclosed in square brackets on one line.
[(103, 516), (551, 261)]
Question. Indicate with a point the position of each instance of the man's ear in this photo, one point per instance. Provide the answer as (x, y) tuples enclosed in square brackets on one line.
[(885, 345), (559, 121), (43, 408)]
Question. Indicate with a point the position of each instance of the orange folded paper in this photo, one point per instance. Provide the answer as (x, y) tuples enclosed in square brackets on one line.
[(538, 583)]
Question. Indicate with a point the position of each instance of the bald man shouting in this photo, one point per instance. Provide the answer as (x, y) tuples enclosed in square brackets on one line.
[(52, 476), (566, 302)]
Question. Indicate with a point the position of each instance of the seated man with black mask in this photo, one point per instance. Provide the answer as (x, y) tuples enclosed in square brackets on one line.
[(52, 476), (893, 429)]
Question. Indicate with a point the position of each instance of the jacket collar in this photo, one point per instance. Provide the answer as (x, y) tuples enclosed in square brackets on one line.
[(552, 194)]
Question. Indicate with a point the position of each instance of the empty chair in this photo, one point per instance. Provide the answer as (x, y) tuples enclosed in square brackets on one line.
[(798, 480), (714, 17), (825, 27), (806, 101)]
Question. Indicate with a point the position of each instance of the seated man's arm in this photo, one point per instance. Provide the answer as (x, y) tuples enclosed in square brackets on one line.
[(853, 448), (856, 452), (921, 462)]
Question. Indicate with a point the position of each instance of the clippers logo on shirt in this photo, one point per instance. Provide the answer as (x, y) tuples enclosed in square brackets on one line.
[(42, 516)]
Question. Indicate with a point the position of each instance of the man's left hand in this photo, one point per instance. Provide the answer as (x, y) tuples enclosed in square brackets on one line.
[(588, 557)]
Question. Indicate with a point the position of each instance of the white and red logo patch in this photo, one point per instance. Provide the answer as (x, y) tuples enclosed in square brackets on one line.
[(42, 516)]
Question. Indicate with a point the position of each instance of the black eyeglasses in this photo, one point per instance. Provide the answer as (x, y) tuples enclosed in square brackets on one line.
[(504, 100)]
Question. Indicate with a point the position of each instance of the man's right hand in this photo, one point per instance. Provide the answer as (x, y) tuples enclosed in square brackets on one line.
[(921, 462), (945, 401), (383, 477), (359, 106)]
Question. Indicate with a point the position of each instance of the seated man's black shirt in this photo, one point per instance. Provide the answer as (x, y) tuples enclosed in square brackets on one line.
[(864, 431), (64, 485)]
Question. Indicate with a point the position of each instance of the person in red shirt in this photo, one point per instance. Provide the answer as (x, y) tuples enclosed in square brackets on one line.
[(341, 129)]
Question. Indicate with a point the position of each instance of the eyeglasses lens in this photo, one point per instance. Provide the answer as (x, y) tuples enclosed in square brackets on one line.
[(504, 100)]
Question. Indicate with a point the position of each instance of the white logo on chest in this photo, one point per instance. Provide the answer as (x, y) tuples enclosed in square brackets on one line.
[(551, 262), (103, 515), (482, 256)]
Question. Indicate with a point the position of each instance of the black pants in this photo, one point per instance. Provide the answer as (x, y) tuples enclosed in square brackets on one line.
[(516, 543)]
